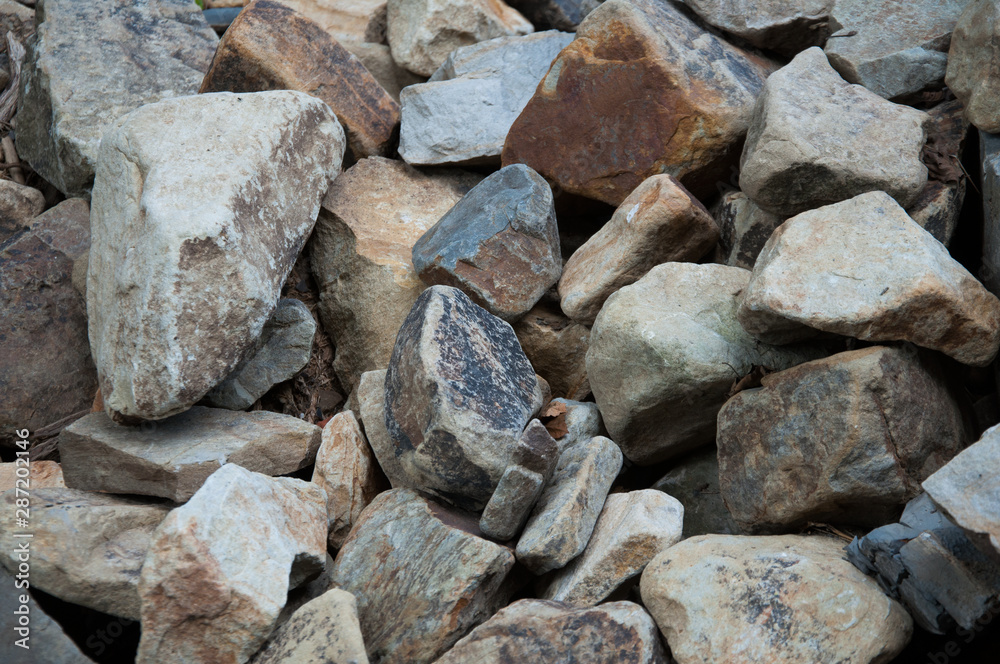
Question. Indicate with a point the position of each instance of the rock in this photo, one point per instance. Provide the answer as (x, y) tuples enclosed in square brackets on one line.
[(463, 114), (664, 354), (572, 422), (177, 301), (989, 154), (556, 348), (556, 14), (846, 439), (344, 20), (939, 206), (92, 63), (743, 229), (458, 394), (220, 567), (974, 63), (360, 255), (659, 222), (773, 24), (18, 206), (371, 399), (499, 244), (422, 33), (562, 521), (719, 598), (694, 481), (897, 49), (421, 575), (377, 59), (323, 631), (271, 47), (532, 630), (39, 474), (347, 472), (827, 269), (85, 548), (633, 527), (45, 323), (617, 104), (809, 126), (173, 458)]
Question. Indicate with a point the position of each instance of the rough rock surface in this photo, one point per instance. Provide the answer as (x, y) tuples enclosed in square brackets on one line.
[(421, 575), (174, 457), (572, 421), (845, 439), (810, 129), (827, 269), (323, 631), (556, 348), (377, 59), (91, 63), (220, 566), (694, 481), (664, 353), (458, 393), (344, 20), (779, 600), (974, 64), (659, 222), (743, 229), (619, 104), (371, 402), (19, 204), (41, 475), (499, 244), (187, 264), (776, 25), (556, 14)]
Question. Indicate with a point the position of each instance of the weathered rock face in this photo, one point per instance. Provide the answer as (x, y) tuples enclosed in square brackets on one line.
[(772, 24), (719, 598), (694, 481), (41, 475), (809, 128), (360, 255), (556, 14), (421, 575), (220, 567), (864, 269), (557, 349), (18, 206), (532, 630), (325, 630), (173, 458), (371, 402), (458, 393), (618, 104), (187, 264), (973, 72), (743, 229), (45, 369), (422, 33), (499, 244), (659, 222), (86, 548), (844, 439), (665, 352), (463, 114), (272, 47), (90, 64)]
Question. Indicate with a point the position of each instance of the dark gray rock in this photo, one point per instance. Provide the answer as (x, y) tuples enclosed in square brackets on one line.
[(556, 14), (989, 152), (694, 481), (939, 205), (778, 25), (743, 229)]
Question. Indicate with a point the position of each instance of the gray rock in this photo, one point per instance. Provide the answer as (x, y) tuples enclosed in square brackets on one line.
[(989, 153), (18, 206), (974, 64), (371, 400), (499, 244), (556, 14), (458, 394), (778, 25), (808, 128), (580, 419), (694, 481), (557, 349), (175, 302), (174, 457), (90, 64), (743, 229), (323, 631), (463, 113), (564, 517)]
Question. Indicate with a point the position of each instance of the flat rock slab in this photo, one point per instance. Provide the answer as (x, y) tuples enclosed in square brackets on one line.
[(744, 229), (973, 72), (770, 24), (779, 600), (864, 269), (618, 104), (556, 348), (422, 576), (188, 263), (694, 481), (92, 63), (173, 458), (324, 630)]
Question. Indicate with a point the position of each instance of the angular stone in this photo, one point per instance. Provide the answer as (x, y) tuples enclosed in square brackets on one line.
[(46, 370), (973, 72), (556, 348), (633, 527), (562, 521), (659, 222), (863, 268), (556, 14), (618, 104), (92, 63), (422, 33), (187, 263), (897, 48), (86, 548), (499, 244), (39, 475), (360, 255), (809, 128), (458, 394), (743, 229), (421, 575), (220, 566), (846, 439), (694, 481), (371, 399), (776, 25), (173, 458), (324, 631), (665, 352), (532, 630), (463, 114), (272, 47), (18, 206)]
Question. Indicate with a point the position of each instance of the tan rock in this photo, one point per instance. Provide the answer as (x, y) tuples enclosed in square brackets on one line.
[(345, 20), (40, 475), (377, 59), (371, 400), (556, 348), (974, 64), (18, 205), (324, 631)]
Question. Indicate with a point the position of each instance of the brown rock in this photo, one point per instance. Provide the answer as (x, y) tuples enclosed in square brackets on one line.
[(18, 206), (556, 348), (377, 59)]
